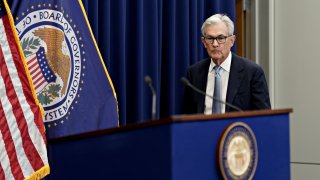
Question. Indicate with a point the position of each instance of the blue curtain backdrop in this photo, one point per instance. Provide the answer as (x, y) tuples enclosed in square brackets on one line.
[(159, 38)]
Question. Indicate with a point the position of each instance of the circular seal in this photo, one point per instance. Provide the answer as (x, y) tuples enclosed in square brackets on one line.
[(238, 152), (51, 44)]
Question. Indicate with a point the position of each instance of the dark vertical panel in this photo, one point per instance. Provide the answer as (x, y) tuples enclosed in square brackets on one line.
[(160, 38)]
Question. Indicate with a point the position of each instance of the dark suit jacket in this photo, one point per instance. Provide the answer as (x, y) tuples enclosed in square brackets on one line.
[(247, 86)]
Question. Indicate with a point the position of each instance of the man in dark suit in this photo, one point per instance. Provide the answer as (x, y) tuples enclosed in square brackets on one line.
[(224, 75)]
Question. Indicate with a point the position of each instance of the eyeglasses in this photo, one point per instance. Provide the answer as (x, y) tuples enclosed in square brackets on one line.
[(220, 39)]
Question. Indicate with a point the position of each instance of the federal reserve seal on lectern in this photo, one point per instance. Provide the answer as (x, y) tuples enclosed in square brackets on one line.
[(238, 152)]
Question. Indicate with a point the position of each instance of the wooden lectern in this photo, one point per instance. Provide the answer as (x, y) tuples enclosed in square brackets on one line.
[(177, 148)]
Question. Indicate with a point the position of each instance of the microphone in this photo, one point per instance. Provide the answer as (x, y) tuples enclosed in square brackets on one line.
[(148, 80), (186, 82)]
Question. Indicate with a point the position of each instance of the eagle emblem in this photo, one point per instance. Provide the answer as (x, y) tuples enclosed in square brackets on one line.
[(59, 63), (51, 61)]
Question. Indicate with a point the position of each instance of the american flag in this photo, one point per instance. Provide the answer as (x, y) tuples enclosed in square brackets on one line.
[(40, 70), (23, 153)]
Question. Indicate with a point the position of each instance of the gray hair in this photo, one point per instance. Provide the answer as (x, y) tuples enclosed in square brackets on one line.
[(218, 18)]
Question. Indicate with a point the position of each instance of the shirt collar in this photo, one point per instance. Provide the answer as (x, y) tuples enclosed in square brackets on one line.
[(225, 64)]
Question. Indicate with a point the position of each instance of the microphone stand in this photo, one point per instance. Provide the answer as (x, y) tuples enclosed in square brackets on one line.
[(148, 80)]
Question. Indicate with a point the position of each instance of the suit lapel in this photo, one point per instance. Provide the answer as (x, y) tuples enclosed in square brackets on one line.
[(235, 78)]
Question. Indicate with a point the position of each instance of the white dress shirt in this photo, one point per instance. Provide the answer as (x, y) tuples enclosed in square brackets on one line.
[(225, 71)]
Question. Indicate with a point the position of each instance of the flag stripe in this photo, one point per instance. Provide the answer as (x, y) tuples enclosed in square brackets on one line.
[(36, 126), (4, 162), (13, 126), (34, 70), (36, 75), (37, 79), (22, 140), (32, 60), (22, 108), (33, 65), (7, 108), (40, 83), (6, 140), (2, 176)]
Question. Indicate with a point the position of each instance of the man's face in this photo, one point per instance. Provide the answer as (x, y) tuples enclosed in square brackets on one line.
[(218, 51)]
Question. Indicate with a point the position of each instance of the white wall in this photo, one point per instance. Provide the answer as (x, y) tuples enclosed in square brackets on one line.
[(296, 80)]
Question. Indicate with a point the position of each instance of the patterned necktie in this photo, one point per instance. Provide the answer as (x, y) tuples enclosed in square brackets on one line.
[(216, 105)]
